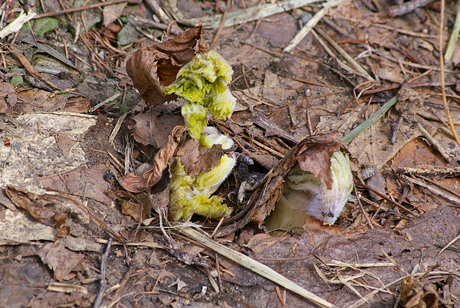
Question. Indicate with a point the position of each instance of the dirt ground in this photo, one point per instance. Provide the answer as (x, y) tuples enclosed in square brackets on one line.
[(72, 124)]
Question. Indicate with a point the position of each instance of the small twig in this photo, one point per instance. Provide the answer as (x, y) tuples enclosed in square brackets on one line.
[(434, 143), (222, 25), (449, 244), (105, 256), (395, 129), (407, 7), (345, 55), (446, 195), (311, 24), (91, 6)]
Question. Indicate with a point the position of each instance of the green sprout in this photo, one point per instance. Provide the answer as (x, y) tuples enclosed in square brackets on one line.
[(193, 195), (203, 82)]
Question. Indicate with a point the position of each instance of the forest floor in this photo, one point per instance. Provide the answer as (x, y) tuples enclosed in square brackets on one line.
[(72, 124)]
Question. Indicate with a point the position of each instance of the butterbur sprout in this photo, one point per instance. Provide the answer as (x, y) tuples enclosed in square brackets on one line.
[(305, 195), (203, 83), (191, 195)]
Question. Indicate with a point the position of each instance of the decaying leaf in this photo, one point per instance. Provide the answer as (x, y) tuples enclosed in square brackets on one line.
[(264, 198), (409, 102), (55, 299), (135, 183), (153, 128), (414, 294), (317, 158), (37, 206), (61, 260), (156, 66), (8, 97), (197, 159)]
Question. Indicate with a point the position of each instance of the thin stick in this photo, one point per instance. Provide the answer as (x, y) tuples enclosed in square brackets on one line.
[(449, 244), (222, 25), (91, 6), (346, 56), (255, 266), (105, 256), (435, 143), (311, 24), (443, 88)]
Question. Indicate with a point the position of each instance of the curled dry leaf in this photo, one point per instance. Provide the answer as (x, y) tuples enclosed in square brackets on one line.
[(409, 102), (8, 97), (197, 159), (153, 128), (317, 157), (151, 68), (135, 183), (265, 197), (60, 259), (37, 206)]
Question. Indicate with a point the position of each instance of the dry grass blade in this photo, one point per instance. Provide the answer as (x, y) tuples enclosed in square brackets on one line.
[(255, 266), (249, 14), (446, 195), (311, 24), (443, 87), (453, 37), (346, 56)]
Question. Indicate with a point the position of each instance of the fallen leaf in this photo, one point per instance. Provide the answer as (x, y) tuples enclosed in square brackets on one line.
[(61, 260), (151, 68), (135, 183), (153, 128), (197, 159), (317, 157), (409, 102), (37, 206), (8, 97), (55, 299), (112, 13)]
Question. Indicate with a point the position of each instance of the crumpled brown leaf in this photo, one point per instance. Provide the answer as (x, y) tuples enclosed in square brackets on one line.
[(8, 97), (37, 206), (409, 102), (197, 159), (317, 157), (414, 294), (54, 299), (156, 66), (153, 128), (60, 259), (135, 183), (265, 197)]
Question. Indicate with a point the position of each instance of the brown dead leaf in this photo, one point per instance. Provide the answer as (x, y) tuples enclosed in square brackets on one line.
[(112, 12), (54, 299), (8, 97), (61, 260), (36, 100), (134, 183), (409, 102), (267, 195), (37, 206), (417, 295), (153, 128), (317, 157), (197, 159), (313, 223), (156, 66), (83, 181)]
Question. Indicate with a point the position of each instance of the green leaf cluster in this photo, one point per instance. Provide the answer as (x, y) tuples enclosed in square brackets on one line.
[(203, 82)]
